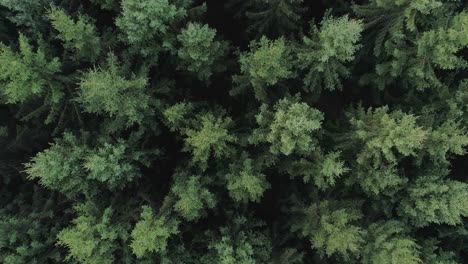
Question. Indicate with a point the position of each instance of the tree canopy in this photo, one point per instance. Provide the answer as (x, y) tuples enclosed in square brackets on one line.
[(233, 132)]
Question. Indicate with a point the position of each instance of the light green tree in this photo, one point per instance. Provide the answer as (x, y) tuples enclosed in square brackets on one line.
[(104, 91), (80, 36), (200, 53), (27, 74), (151, 233), (324, 53), (288, 128)]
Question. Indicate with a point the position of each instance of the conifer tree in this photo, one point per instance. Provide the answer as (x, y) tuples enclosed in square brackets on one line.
[(143, 22), (151, 233), (107, 92), (80, 36), (245, 181), (92, 236), (433, 200), (267, 63), (288, 128), (192, 196), (271, 17), (27, 74), (390, 244), (205, 135), (330, 227), (200, 53), (59, 167), (27, 13), (323, 54)]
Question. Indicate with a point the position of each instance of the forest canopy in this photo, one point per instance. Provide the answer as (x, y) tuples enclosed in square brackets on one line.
[(233, 132)]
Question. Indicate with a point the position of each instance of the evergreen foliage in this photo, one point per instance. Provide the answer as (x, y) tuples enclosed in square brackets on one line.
[(384, 139), (152, 232), (26, 74), (106, 91), (92, 237), (245, 181), (329, 226), (233, 132), (389, 243), (232, 244), (111, 164), (200, 53), (192, 196), (28, 14), (59, 167), (289, 128), (205, 134), (267, 63), (324, 53), (433, 200), (146, 22), (30, 236), (80, 36), (271, 17)]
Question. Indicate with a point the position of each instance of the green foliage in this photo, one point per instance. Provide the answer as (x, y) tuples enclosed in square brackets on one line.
[(205, 135), (105, 91), (432, 254), (26, 241), (435, 201), (111, 164), (144, 22), (324, 170), (234, 245), (59, 167), (441, 44), (436, 50), (93, 236), (399, 15), (331, 228), (152, 232), (229, 252), (458, 105), (409, 51), (177, 115), (192, 196), (389, 243), (273, 18), (200, 53), (27, 13), (386, 134), (384, 138), (288, 128), (28, 226), (79, 37), (446, 140), (325, 52), (245, 181), (330, 169), (27, 74), (211, 136), (267, 63), (251, 132), (72, 167), (3, 131)]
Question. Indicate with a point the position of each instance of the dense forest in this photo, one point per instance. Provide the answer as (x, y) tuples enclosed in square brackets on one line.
[(233, 132)]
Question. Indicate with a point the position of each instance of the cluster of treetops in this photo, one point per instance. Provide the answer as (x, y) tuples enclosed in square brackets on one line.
[(233, 132)]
